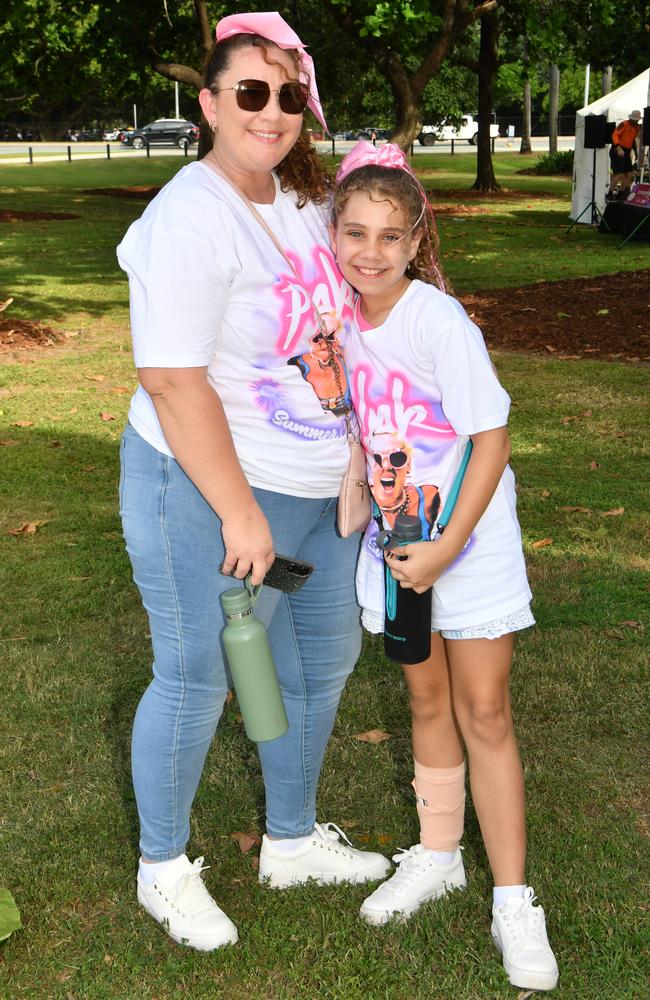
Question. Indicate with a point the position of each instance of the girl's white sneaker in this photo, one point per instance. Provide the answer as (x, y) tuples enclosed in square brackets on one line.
[(418, 879), (519, 933), (327, 857), (184, 907)]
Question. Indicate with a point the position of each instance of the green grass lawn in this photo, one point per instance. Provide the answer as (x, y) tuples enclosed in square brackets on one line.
[(75, 656)]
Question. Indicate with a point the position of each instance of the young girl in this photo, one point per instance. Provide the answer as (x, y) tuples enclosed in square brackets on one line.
[(423, 386)]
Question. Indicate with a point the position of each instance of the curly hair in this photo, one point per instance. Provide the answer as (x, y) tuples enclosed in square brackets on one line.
[(403, 190), (301, 170)]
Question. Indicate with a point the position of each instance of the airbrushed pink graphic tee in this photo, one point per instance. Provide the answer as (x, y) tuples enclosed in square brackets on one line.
[(422, 383), (209, 288)]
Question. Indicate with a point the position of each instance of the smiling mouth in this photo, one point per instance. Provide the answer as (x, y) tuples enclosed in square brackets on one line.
[(266, 136), (387, 483), (370, 272)]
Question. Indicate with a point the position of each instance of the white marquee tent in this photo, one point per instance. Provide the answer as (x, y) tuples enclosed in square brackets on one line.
[(617, 106)]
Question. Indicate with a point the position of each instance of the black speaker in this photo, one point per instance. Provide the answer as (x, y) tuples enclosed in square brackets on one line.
[(595, 131), (646, 126)]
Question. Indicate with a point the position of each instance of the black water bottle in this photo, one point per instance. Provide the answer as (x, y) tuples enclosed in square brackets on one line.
[(407, 624)]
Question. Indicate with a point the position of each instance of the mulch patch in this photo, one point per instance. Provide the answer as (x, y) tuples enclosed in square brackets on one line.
[(22, 333), (7, 215), (147, 191), (607, 317)]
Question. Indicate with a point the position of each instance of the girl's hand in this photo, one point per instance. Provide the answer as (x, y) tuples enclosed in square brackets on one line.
[(248, 544), (425, 562)]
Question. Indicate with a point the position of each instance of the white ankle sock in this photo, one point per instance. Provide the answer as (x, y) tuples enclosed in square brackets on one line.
[(442, 857), (150, 872), (502, 893), (289, 845)]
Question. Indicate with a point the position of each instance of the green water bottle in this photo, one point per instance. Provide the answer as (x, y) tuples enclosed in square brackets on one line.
[(252, 668)]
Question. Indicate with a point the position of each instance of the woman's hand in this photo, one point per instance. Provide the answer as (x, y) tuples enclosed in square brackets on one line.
[(248, 543)]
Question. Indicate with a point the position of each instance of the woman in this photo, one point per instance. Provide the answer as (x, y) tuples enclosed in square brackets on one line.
[(229, 454)]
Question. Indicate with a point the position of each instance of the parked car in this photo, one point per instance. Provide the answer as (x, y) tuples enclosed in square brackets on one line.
[(85, 135), (115, 134), (366, 133), (164, 131), (446, 130)]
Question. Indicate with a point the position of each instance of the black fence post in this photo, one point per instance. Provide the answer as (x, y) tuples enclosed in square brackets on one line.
[(185, 148), (452, 147), (148, 150), (108, 150), (493, 143), (333, 147), (69, 155), (31, 155)]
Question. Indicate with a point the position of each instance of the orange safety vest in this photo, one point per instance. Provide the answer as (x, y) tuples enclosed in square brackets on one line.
[(625, 134)]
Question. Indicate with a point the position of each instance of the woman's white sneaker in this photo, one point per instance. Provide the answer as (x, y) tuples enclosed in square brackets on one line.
[(418, 879), (325, 858), (180, 902), (519, 933)]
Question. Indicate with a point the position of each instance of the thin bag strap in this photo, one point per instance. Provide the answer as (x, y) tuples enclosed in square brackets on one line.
[(455, 489)]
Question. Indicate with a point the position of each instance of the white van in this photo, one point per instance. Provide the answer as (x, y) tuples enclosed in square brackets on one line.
[(446, 131)]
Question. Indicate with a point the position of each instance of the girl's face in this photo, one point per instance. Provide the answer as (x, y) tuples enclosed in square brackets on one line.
[(250, 142), (373, 249)]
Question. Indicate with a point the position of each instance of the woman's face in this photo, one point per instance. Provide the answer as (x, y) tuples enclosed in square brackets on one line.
[(252, 141)]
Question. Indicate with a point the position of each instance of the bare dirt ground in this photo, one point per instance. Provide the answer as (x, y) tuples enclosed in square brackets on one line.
[(607, 317)]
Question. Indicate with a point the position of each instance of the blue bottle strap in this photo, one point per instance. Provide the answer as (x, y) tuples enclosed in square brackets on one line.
[(455, 490)]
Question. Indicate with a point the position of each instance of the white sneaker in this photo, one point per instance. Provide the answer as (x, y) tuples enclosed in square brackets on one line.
[(325, 859), (185, 908), (418, 879), (519, 932)]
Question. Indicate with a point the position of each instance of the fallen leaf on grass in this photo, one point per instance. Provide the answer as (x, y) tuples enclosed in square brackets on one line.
[(602, 312), (108, 959), (616, 512), (545, 493), (567, 420), (373, 736), (4, 305), (95, 378), (118, 390), (637, 626), (586, 413), (594, 465), (542, 543), (563, 315), (568, 357), (383, 838), (614, 633), (23, 423), (28, 528), (550, 348), (106, 417), (576, 510), (7, 442), (246, 840), (88, 468)]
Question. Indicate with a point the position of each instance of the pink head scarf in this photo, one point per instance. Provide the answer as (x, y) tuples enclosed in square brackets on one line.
[(364, 154), (271, 26)]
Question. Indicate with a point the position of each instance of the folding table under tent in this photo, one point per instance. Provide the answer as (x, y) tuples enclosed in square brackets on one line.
[(616, 106)]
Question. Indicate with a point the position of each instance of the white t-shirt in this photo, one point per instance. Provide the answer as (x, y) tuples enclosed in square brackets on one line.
[(422, 383), (209, 288)]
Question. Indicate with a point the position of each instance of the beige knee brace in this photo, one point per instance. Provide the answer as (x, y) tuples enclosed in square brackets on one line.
[(440, 794)]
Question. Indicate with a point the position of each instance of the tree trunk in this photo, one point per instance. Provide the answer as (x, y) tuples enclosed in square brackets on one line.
[(553, 103), (607, 80), (526, 146), (488, 62)]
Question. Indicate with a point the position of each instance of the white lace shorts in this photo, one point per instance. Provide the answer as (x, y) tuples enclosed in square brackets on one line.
[(514, 622)]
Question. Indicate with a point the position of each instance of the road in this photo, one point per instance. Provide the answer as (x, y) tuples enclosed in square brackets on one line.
[(18, 152)]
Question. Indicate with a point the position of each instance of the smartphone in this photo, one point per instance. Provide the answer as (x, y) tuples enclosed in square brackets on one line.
[(287, 574)]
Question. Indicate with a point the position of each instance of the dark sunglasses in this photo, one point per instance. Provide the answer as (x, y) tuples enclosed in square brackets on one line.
[(253, 95), (396, 458)]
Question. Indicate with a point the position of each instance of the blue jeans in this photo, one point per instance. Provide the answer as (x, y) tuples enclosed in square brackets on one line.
[(173, 538)]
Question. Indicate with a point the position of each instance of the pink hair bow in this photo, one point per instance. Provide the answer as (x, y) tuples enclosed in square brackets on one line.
[(364, 154), (271, 25)]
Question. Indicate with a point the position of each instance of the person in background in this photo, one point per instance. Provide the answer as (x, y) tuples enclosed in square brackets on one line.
[(229, 454), (624, 138)]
